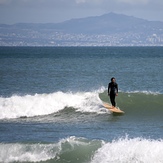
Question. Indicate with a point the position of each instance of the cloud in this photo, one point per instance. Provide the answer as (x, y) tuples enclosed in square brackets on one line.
[(109, 2), (5, 2), (89, 1), (134, 2), (73, 3), (80, 1)]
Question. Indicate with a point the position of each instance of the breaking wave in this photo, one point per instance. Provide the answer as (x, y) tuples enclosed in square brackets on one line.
[(75, 149), (44, 104), (130, 150)]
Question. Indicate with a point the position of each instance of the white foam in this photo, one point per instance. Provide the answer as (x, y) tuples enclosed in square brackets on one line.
[(16, 152), (26, 152), (125, 150), (130, 150), (145, 92), (44, 104)]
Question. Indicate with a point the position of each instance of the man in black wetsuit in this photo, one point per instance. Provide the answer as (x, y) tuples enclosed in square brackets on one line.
[(113, 91)]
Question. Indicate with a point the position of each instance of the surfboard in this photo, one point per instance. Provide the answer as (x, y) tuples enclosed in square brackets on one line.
[(113, 109)]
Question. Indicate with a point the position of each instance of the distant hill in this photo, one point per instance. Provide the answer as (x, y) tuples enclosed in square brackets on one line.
[(125, 30), (108, 23)]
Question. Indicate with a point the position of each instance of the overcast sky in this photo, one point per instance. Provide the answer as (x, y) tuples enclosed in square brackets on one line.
[(53, 11)]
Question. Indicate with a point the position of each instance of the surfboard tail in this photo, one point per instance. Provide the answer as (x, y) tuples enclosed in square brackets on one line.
[(112, 108)]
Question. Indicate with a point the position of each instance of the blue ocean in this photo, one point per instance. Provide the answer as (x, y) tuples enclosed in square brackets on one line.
[(51, 105)]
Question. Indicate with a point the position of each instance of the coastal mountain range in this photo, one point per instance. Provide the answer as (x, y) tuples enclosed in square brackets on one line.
[(105, 30), (108, 23)]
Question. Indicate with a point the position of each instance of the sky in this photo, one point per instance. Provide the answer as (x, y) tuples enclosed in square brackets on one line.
[(54, 11)]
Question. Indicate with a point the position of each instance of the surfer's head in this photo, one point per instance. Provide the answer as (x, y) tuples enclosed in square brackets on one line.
[(112, 79)]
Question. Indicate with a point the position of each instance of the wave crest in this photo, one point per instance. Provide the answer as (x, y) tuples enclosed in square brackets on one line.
[(44, 104), (71, 149), (130, 150)]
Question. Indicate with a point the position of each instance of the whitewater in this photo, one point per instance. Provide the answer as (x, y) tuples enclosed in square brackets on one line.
[(44, 104), (75, 149)]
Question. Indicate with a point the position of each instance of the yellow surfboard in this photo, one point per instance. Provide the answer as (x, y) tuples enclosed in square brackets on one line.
[(112, 109)]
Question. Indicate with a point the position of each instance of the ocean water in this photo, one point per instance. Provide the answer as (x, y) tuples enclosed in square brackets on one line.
[(51, 105)]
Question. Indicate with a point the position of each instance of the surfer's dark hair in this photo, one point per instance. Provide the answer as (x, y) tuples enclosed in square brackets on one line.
[(112, 78)]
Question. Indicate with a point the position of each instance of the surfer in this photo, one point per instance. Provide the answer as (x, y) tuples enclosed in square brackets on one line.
[(113, 91)]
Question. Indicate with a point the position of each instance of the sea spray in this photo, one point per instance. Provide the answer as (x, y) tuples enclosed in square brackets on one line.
[(78, 149), (44, 104), (71, 149), (127, 150)]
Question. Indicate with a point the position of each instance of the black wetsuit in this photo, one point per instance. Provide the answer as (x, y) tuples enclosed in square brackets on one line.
[(112, 91)]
